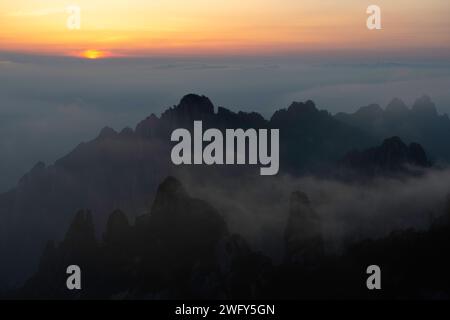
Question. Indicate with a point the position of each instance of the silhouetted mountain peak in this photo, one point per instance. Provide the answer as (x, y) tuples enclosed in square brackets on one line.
[(127, 132), (107, 132), (171, 186), (303, 234), (372, 110), (170, 197), (413, 154), (196, 101), (390, 157), (81, 230), (146, 127), (184, 229), (424, 106), (116, 220), (303, 107), (173, 205), (418, 155), (296, 111), (243, 119), (393, 144), (116, 227), (397, 106), (191, 107)]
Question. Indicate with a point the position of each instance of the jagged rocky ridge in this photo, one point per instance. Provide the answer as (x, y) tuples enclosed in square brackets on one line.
[(182, 249), (392, 158), (420, 123)]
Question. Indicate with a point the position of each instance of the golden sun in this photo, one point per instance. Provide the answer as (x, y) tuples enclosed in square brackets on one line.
[(94, 54)]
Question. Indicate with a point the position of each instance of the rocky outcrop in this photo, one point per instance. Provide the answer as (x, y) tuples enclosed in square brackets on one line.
[(180, 248), (392, 157), (303, 235)]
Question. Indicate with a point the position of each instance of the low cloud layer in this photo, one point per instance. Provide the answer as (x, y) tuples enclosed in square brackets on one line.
[(258, 208)]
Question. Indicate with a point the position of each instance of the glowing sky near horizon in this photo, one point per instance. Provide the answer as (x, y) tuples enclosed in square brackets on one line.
[(145, 27)]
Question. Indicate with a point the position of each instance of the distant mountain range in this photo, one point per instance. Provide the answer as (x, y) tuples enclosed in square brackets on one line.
[(421, 123), (123, 169), (392, 158)]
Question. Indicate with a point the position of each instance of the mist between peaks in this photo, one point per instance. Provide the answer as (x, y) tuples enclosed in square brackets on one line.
[(238, 147)]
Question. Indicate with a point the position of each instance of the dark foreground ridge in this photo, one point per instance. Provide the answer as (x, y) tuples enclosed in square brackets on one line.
[(182, 249)]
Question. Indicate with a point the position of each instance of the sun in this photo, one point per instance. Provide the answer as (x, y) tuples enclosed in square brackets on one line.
[(94, 54)]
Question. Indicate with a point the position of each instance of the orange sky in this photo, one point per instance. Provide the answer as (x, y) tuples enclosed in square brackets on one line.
[(143, 27)]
